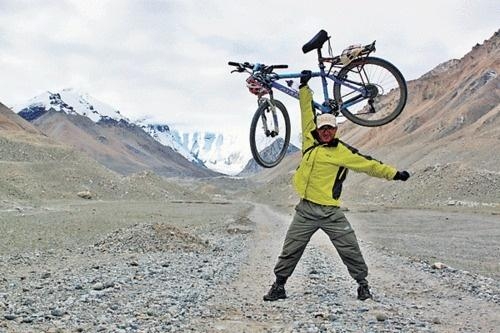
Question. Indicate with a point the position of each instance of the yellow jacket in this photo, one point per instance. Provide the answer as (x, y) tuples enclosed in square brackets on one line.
[(324, 167)]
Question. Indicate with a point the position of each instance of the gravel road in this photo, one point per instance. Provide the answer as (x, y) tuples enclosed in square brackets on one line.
[(204, 267)]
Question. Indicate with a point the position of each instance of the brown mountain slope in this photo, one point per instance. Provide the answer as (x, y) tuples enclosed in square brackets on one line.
[(34, 167), (11, 122), (459, 101), (448, 137), (119, 146)]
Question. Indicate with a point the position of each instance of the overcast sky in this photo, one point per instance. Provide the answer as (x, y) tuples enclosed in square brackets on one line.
[(168, 59)]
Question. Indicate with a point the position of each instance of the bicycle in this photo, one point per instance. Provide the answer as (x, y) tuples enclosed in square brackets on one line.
[(368, 91)]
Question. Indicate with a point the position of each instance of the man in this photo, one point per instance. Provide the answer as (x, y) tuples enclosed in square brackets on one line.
[(318, 181)]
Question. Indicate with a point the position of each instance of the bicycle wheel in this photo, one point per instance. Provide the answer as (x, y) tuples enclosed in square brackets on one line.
[(373, 92), (270, 133)]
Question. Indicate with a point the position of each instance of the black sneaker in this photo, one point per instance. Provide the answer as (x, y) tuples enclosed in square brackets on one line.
[(364, 292), (276, 292)]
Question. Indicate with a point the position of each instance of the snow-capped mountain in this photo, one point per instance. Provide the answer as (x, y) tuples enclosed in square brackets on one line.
[(221, 152), (109, 137), (226, 153), (162, 134), (70, 102)]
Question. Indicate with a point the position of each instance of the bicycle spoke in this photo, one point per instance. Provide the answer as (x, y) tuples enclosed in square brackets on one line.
[(383, 96), (269, 141)]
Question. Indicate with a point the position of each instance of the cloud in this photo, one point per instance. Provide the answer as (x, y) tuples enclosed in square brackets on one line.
[(168, 59)]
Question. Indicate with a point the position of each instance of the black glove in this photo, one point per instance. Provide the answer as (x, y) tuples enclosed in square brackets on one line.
[(401, 175), (306, 76)]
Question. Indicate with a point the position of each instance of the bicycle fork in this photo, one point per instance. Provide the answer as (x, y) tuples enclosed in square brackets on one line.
[(271, 106)]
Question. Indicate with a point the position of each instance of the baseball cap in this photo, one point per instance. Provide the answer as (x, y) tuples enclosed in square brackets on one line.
[(326, 119)]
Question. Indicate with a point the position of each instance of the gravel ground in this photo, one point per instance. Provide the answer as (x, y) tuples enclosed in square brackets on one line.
[(203, 267)]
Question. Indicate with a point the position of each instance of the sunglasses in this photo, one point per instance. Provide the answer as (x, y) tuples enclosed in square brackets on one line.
[(326, 128)]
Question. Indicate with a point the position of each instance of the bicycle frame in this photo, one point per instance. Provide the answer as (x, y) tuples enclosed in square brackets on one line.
[(325, 106)]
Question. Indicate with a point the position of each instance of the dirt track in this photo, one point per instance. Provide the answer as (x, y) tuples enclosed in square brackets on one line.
[(410, 296)]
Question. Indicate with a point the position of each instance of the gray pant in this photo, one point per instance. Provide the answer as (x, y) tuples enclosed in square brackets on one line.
[(309, 217)]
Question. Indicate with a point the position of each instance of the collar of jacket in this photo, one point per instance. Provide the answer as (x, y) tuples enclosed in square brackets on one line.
[(333, 143)]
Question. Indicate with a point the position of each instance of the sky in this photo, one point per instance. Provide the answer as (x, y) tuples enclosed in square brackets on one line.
[(167, 60)]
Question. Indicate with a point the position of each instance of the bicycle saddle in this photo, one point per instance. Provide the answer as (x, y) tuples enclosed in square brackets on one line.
[(316, 42)]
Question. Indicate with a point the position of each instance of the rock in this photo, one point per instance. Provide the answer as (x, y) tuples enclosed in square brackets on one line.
[(57, 312), (98, 286), (109, 284), (381, 317), (9, 316), (85, 194), (438, 265)]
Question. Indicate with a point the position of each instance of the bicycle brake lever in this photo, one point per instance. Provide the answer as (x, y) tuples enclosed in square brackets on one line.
[(239, 70)]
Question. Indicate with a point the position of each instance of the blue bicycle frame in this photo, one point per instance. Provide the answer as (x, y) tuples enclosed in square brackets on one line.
[(325, 106)]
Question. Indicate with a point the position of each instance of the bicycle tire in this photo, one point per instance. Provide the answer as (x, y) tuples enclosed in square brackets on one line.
[(267, 150), (386, 83)]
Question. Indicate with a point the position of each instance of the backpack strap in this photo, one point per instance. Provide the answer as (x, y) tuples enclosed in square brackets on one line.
[(316, 144)]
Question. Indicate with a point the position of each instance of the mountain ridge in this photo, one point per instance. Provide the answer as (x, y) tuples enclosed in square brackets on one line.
[(218, 152), (105, 134)]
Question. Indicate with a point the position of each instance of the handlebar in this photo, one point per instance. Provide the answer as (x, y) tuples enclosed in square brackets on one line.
[(255, 67), (232, 63)]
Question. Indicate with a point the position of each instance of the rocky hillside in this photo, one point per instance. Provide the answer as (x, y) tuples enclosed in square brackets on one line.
[(11, 122), (457, 102), (34, 167), (447, 137), (119, 145)]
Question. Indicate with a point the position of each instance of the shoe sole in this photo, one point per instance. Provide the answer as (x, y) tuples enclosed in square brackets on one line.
[(364, 298), (267, 299)]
